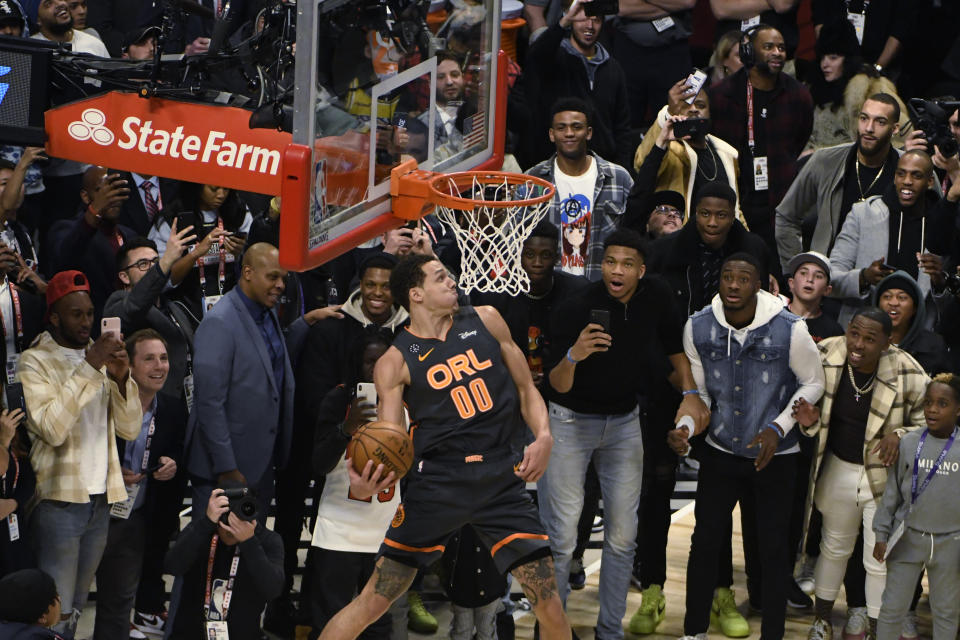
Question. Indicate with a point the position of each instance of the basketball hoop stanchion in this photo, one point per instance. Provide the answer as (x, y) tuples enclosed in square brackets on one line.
[(490, 213)]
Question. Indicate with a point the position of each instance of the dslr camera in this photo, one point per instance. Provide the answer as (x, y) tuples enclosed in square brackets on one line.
[(931, 117), (243, 504)]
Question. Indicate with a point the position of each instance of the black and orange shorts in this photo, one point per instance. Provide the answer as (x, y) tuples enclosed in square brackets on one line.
[(444, 495)]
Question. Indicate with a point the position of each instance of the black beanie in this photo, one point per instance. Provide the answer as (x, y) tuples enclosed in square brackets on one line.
[(899, 280), (26, 595), (717, 189), (667, 197), (839, 37)]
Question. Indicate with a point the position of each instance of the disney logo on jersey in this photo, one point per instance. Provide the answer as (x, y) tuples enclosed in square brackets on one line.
[(466, 334)]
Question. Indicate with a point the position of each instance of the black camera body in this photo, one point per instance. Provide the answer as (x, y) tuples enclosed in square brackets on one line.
[(243, 504), (932, 117), (693, 127)]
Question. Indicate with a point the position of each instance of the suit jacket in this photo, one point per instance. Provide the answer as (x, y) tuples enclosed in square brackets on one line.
[(170, 421), (133, 214), (240, 419), (113, 18)]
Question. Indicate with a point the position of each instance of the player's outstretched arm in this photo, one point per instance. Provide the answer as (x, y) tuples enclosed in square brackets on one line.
[(390, 375), (532, 407)]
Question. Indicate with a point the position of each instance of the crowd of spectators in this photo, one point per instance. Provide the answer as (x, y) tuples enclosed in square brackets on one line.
[(775, 237)]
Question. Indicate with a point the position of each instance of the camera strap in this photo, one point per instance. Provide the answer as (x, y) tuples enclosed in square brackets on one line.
[(16, 477), (13, 359), (228, 593), (914, 491), (145, 463)]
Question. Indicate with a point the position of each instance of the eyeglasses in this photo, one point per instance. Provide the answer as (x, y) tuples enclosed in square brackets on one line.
[(669, 212), (142, 264)]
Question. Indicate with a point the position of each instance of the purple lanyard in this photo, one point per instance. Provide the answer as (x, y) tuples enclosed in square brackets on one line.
[(914, 493)]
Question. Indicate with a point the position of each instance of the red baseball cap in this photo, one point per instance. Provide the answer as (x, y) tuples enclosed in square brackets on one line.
[(65, 283)]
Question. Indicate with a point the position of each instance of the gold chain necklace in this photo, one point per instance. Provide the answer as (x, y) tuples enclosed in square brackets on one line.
[(877, 177), (867, 388)]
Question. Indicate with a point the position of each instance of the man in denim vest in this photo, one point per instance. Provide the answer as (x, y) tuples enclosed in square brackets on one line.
[(751, 360)]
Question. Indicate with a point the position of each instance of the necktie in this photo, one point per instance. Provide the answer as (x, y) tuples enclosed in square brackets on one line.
[(151, 203)]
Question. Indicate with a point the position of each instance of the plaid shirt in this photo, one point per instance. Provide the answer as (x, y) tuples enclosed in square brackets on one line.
[(787, 129), (896, 405), (609, 202), (56, 392)]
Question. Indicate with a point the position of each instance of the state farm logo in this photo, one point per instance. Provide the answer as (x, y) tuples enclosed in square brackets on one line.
[(213, 147), (91, 126)]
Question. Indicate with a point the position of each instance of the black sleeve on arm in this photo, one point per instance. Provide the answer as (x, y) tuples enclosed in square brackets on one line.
[(669, 319), (132, 308), (637, 213), (565, 328), (328, 443), (940, 230), (263, 556), (190, 545)]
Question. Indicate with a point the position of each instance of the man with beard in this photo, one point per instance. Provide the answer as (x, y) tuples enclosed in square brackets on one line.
[(447, 138), (686, 164), (768, 117), (567, 61), (591, 192), (835, 178), (56, 24), (907, 227)]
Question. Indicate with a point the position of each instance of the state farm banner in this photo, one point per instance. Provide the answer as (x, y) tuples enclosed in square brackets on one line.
[(209, 144)]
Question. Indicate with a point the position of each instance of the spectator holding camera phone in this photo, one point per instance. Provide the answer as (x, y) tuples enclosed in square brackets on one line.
[(147, 462), (79, 397), (600, 334), (667, 160), (231, 568)]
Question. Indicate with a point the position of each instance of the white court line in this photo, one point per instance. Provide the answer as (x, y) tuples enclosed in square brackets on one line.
[(594, 567)]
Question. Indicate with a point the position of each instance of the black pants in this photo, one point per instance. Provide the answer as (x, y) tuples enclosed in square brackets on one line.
[(293, 485), (724, 480), (653, 514), (337, 577), (164, 525), (118, 576), (650, 71)]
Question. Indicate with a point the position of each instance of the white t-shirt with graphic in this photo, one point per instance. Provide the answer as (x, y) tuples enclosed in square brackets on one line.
[(576, 209)]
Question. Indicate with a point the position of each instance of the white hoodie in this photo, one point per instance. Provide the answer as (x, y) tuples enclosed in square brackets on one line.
[(804, 356)]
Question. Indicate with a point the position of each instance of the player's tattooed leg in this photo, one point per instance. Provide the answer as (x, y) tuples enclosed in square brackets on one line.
[(392, 578), (538, 580)]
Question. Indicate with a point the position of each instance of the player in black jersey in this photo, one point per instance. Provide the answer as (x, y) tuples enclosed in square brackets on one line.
[(467, 387)]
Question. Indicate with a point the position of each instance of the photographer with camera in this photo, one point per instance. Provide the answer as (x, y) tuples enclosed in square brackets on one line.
[(231, 567)]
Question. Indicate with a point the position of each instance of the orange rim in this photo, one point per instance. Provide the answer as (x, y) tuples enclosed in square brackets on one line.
[(442, 184)]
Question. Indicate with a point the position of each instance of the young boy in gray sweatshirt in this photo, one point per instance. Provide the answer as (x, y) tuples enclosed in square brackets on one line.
[(918, 520)]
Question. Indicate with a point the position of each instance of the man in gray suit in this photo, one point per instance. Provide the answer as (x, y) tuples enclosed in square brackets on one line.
[(242, 420)]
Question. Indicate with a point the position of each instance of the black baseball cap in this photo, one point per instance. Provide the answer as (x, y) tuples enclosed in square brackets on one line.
[(138, 35)]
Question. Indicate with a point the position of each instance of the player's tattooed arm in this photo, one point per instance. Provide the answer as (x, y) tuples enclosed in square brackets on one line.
[(393, 578), (538, 580)]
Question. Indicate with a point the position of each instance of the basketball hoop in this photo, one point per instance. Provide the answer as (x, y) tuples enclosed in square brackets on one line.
[(490, 213)]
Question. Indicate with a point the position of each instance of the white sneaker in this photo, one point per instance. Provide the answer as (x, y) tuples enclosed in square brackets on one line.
[(908, 631), (820, 630), (150, 624), (699, 636), (136, 634), (857, 624)]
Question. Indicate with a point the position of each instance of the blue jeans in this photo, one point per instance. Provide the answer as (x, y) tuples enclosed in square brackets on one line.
[(615, 445), (69, 540)]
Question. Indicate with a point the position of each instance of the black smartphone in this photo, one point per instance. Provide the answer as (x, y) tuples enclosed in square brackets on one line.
[(601, 317), (189, 219), (694, 127), (601, 8), (15, 399), (152, 470)]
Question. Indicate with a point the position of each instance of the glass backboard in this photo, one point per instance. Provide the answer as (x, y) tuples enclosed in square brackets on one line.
[(366, 99)]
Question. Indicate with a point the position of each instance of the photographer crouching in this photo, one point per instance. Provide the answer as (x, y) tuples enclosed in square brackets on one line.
[(230, 568)]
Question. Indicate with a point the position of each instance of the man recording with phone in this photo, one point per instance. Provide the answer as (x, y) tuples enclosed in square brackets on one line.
[(600, 335), (679, 153), (231, 567)]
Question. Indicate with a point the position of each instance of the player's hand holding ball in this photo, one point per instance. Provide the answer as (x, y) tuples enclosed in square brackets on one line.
[(370, 482)]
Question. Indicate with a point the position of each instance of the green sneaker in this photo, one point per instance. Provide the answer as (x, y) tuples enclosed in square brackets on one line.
[(724, 614), (418, 618), (651, 612)]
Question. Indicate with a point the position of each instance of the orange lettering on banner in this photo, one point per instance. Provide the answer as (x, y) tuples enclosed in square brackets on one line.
[(209, 144)]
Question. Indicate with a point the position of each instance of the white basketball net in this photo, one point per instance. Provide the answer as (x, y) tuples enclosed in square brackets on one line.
[(490, 236)]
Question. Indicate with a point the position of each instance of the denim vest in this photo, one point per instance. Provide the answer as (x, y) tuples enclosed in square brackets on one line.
[(750, 386)]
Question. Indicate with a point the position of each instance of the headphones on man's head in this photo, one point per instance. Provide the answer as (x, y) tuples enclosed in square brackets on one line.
[(748, 56)]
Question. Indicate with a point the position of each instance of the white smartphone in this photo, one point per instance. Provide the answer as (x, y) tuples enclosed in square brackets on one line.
[(111, 325), (367, 392), (696, 80)]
